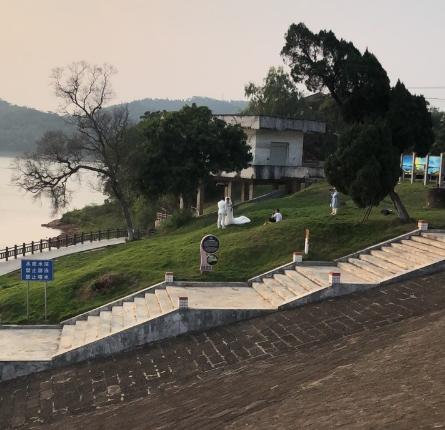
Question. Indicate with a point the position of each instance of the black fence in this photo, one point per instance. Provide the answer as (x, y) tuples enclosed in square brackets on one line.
[(67, 240)]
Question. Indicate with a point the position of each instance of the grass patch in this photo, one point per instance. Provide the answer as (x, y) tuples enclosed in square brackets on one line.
[(85, 281)]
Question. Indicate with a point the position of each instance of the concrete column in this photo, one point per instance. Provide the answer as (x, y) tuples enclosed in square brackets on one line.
[(413, 171), (297, 257), (334, 278), (183, 302), (441, 170), (243, 191), (422, 224), (229, 190), (426, 176), (200, 200), (295, 186), (402, 177), (251, 191)]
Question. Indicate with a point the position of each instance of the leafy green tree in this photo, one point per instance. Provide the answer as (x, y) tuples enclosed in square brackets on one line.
[(360, 87), (182, 149), (363, 165), (358, 83), (278, 96), (410, 121), (438, 120), (98, 145)]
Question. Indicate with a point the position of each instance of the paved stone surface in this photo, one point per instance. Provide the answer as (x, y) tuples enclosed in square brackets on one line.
[(29, 344), (220, 297), (15, 264), (369, 360)]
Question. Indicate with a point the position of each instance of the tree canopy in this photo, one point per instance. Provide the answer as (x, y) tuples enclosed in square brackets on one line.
[(357, 82), (438, 120), (360, 87), (363, 165), (410, 121), (182, 149), (278, 96)]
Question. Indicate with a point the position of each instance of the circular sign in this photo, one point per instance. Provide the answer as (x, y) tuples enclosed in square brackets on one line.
[(210, 244), (212, 259)]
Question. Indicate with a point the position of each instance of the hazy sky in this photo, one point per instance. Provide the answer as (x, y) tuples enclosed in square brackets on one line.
[(182, 48)]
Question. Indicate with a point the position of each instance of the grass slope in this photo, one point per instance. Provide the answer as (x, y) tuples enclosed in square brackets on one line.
[(84, 281)]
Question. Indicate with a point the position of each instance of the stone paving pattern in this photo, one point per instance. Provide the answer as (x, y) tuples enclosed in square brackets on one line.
[(373, 360)]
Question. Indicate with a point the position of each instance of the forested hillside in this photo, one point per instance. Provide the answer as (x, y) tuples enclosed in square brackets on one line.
[(21, 127)]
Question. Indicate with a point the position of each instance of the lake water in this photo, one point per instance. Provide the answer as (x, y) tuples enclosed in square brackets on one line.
[(21, 217)]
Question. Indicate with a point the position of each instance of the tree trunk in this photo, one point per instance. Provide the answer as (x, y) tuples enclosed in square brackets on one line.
[(398, 205), (125, 211), (436, 198)]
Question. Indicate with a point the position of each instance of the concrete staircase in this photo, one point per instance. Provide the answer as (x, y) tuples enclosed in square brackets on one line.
[(383, 263), (153, 314), (115, 318)]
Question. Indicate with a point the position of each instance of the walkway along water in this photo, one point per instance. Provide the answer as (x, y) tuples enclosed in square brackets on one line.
[(64, 241)]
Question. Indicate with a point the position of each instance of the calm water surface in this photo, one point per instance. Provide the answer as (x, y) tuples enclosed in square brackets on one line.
[(21, 217)]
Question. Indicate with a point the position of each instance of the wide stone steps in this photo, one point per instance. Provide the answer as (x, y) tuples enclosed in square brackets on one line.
[(120, 317), (414, 254), (353, 265), (440, 237), (369, 267), (279, 289), (392, 255), (436, 241), (102, 331), (380, 262), (425, 247), (293, 286), (303, 281), (268, 294)]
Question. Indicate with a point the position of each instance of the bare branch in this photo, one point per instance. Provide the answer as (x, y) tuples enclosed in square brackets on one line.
[(98, 145)]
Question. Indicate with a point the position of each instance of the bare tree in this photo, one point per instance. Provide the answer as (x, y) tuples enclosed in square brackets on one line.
[(98, 144)]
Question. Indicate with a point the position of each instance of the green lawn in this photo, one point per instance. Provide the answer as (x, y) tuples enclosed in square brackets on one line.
[(85, 281)]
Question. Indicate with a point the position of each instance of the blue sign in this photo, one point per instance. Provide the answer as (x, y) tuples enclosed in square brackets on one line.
[(37, 270)]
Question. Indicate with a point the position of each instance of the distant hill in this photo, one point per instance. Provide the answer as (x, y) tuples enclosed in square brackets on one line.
[(21, 127), (137, 108)]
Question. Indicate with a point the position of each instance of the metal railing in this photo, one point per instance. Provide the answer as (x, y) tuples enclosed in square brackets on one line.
[(67, 240)]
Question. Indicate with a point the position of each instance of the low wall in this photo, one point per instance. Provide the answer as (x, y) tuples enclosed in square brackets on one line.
[(165, 326)]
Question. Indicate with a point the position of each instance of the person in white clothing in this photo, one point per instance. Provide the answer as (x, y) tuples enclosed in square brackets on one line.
[(229, 217), (334, 201), (222, 211), (276, 216)]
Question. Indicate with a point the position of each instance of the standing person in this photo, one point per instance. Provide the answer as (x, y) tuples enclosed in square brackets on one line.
[(222, 210), (334, 201), (229, 214), (229, 217)]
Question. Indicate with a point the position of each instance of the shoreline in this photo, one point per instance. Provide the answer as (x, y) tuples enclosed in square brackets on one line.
[(56, 224)]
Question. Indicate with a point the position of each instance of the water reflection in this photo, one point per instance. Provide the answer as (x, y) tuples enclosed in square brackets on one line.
[(21, 217)]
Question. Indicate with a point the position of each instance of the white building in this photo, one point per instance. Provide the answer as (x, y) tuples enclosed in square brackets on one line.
[(280, 147), (282, 151)]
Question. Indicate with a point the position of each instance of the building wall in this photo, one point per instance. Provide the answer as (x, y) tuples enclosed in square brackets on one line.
[(264, 138), (262, 132)]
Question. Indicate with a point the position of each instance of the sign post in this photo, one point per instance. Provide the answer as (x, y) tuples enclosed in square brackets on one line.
[(37, 271), (209, 245)]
